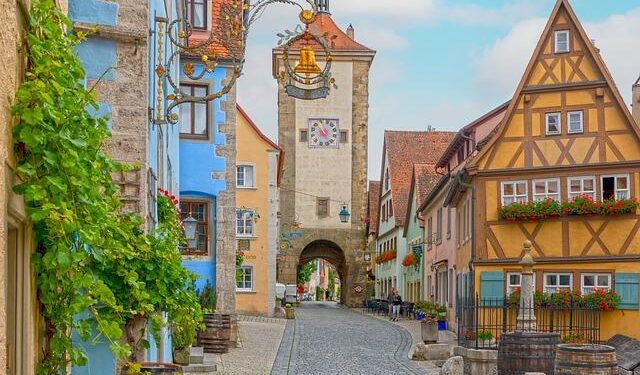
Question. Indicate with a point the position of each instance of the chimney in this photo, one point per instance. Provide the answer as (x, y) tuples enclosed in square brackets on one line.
[(635, 101), (593, 42), (351, 32)]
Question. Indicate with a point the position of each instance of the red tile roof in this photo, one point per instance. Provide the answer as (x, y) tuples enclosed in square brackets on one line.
[(425, 179), (404, 149), (338, 39), (220, 28), (374, 200)]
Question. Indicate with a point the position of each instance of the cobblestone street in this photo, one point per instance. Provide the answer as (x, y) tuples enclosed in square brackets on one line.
[(328, 339)]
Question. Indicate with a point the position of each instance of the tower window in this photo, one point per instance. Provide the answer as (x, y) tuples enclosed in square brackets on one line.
[(304, 135), (562, 41), (322, 208), (344, 136)]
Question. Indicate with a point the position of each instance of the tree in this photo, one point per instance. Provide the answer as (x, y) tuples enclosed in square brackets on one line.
[(305, 272)]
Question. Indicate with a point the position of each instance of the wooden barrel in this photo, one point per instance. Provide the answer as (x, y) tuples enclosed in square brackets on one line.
[(155, 368), (216, 335), (588, 359), (522, 352), (210, 345)]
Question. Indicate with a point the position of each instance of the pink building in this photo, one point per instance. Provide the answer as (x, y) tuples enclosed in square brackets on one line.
[(447, 229)]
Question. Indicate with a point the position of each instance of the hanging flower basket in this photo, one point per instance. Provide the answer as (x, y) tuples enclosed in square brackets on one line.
[(410, 260)]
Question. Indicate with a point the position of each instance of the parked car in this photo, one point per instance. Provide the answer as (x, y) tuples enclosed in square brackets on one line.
[(280, 289), (291, 294)]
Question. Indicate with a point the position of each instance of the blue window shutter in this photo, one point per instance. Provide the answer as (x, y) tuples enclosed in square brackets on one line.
[(492, 288), (627, 286)]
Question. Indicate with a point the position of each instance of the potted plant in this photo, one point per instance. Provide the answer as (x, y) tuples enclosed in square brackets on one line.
[(441, 312), (420, 309), (573, 338), (485, 339), (183, 333), (429, 326), (289, 311)]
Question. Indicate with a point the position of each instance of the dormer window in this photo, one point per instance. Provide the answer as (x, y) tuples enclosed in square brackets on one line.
[(553, 123), (562, 41)]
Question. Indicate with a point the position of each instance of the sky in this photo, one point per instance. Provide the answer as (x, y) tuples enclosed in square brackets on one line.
[(440, 63)]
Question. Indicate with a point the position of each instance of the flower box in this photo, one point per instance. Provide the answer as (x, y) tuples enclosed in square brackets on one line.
[(581, 205)]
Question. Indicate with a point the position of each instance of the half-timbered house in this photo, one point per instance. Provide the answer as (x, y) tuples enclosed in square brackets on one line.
[(568, 142)]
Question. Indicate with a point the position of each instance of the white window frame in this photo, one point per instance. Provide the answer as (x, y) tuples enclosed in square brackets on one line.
[(516, 197), (546, 194), (571, 195), (546, 123), (615, 177), (510, 287), (590, 289), (249, 216), (557, 287), (555, 44), (581, 114), (252, 278), (253, 175)]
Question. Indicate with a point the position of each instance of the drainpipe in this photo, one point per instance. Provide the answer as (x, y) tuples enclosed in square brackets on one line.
[(472, 276)]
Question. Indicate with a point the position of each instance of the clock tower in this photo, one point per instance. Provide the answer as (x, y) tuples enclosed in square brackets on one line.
[(325, 164)]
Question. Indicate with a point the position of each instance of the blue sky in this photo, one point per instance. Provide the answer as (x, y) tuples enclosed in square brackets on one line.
[(441, 63)]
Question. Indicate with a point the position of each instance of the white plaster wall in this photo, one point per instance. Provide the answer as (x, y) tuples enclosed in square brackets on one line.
[(325, 172)]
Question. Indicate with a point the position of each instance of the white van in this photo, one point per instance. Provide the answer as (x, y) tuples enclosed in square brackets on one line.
[(291, 294)]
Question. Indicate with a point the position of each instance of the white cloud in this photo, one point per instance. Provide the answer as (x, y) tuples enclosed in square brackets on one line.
[(502, 64)]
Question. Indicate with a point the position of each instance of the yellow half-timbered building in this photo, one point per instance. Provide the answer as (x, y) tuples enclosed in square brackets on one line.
[(567, 134)]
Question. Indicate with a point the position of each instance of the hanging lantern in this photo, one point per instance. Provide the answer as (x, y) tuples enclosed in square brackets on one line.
[(190, 226), (344, 214)]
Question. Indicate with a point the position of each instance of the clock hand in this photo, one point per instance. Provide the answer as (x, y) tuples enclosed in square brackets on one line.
[(322, 131)]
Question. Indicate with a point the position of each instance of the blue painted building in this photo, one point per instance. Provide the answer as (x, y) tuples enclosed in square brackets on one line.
[(120, 57)]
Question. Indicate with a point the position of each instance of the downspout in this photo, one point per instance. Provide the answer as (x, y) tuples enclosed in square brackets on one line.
[(472, 278)]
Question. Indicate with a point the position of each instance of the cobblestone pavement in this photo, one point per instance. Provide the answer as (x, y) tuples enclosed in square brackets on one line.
[(259, 338), (328, 339)]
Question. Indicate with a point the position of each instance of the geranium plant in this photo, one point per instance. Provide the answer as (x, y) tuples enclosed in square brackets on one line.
[(410, 260), (386, 256), (580, 205)]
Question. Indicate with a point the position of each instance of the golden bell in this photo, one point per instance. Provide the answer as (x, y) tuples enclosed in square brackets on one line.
[(307, 63)]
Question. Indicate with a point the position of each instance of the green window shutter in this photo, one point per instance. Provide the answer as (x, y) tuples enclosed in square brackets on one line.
[(628, 287), (491, 288)]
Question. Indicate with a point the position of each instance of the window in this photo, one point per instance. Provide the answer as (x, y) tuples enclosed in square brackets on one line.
[(468, 220), (514, 280), (390, 208), (245, 176), (615, 186), (386, 179), (384, 212), (593, 281), (553, 123), (448, 222), (344, 136), (199, 210), (244, 281), (555, 282), (194, 117), (439, 225), (197, 13), (430, 232), (562, 41), (514, 192), (244, 223), (576, 122), (582, 186), (322, 207), (304, 135), (543, 189)]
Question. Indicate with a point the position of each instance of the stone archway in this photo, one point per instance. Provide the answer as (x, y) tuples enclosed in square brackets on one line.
[(330, 252), (341, 248)]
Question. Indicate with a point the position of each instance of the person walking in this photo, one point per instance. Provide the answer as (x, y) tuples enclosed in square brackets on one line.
[(390, 302), (397, 302)]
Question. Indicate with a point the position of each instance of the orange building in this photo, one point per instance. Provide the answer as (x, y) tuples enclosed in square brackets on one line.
[(567, 138)]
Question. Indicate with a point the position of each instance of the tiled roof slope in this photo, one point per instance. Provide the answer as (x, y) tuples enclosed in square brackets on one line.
[(426, 178), (374, 200), (338, 39), (223, 50), (404, 149)]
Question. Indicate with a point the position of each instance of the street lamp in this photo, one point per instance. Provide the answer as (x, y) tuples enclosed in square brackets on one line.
[(344, 214)]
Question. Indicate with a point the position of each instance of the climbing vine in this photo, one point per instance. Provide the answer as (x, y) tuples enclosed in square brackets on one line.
[(96, 269)]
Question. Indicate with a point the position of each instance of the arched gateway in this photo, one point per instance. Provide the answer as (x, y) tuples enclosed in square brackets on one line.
[(325, 164)]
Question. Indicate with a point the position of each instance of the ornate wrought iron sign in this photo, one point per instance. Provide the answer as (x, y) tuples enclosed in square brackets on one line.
[(226, 44)]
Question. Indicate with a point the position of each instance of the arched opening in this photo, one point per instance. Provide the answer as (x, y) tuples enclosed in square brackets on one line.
[(333, 265)]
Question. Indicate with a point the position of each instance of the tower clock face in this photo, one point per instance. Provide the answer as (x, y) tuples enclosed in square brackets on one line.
[(323, 133)]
